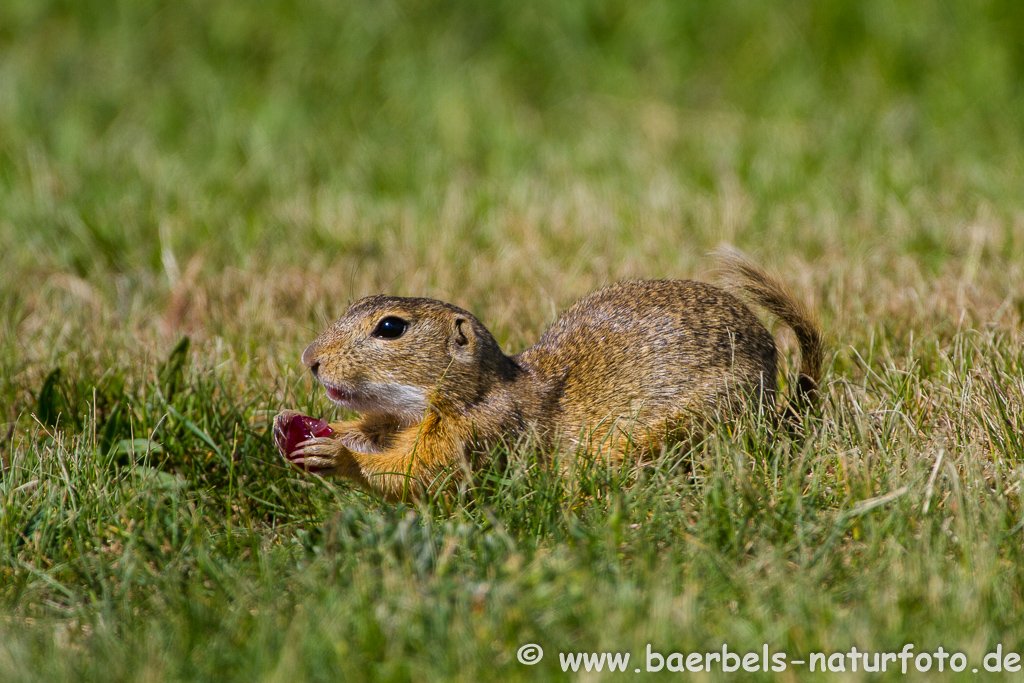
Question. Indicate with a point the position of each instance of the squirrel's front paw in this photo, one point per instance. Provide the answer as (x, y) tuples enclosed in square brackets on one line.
[(281, 427), (303, 442), (319, 455)]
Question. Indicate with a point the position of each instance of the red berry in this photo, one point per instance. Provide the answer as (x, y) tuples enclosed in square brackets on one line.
[(302, 428)]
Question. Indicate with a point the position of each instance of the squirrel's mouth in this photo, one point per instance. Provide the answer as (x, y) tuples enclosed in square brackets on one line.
[(346, 398), (340, 395), (406, 404)]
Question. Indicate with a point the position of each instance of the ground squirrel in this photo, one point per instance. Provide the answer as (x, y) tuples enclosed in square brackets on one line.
[(621, 370)]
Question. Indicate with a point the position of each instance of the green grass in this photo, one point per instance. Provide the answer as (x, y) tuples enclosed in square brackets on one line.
[(234, 174)]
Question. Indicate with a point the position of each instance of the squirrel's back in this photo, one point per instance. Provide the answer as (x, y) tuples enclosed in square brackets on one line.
[(647, 353)]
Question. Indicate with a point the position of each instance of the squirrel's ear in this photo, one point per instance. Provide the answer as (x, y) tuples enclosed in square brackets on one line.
[(463, 337)]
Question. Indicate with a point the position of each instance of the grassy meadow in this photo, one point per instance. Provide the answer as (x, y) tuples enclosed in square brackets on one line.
[(190, 191)]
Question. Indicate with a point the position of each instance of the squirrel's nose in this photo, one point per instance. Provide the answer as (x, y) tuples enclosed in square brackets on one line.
[(314, 368), (310, 359)]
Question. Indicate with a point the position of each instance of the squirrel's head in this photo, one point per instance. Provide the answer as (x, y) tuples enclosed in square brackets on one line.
[(398, 356)]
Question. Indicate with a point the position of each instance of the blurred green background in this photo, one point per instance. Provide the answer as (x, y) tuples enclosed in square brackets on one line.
[(207, 116)]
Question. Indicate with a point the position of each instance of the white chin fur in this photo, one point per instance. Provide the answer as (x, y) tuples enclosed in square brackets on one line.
[(404, 402)]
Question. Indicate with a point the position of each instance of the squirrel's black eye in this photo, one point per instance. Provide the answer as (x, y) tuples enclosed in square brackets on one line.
[(390, 327)]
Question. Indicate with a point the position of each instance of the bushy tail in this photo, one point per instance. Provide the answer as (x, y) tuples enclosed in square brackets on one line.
[(775, 297)]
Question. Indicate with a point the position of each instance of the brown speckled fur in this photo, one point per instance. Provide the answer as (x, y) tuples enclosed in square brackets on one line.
[(621, 369)]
